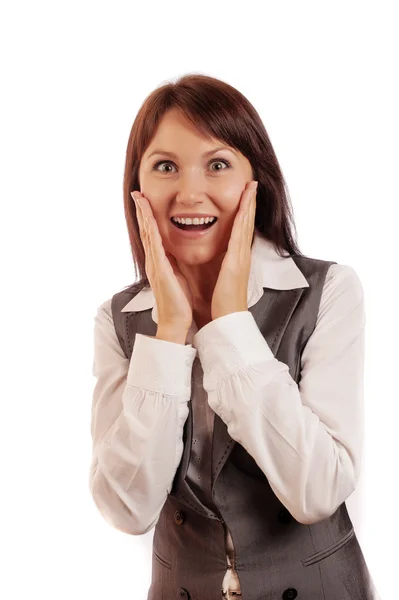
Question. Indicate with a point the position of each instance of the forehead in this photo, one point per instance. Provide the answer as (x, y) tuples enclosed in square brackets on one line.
[(175, 124), (177, 135)]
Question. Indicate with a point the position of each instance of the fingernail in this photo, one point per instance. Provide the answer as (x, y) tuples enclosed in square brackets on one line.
[(256, 186), (132, 195)]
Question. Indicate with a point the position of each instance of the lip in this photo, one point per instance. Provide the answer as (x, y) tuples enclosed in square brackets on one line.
[(192, 216), (192, 234)]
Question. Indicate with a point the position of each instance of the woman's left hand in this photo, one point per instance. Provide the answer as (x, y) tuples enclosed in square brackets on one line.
[(230, 293)]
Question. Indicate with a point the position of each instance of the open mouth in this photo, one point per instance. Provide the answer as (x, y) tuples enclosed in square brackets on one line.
[(193, 227)]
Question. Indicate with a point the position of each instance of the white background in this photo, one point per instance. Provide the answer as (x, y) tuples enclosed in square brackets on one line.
[(323, 77)]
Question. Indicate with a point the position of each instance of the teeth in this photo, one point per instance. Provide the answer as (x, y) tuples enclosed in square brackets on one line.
[(194, 221)]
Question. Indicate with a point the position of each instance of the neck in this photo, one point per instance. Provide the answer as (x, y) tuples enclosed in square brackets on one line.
[(202, 280)]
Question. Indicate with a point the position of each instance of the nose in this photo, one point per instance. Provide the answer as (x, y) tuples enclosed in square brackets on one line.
[(188, 200), (190, 190)]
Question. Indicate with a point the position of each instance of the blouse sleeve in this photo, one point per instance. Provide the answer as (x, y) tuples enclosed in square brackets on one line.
[(306, 438), (139, 408)]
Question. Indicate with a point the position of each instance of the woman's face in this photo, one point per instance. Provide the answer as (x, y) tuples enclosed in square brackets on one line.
[(186, 176)]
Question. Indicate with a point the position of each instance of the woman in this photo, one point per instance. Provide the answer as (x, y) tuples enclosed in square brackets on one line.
[(228, 408)]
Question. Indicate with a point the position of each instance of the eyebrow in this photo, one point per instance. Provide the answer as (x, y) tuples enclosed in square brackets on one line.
[(204, 154)]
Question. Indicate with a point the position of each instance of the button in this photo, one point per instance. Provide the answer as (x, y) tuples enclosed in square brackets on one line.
[(183, 594), (290, 594), (179, 517), (284, 516)]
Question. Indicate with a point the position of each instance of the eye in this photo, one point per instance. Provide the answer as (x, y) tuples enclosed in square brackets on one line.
[(168, 162), (222, 161), (162, 162)]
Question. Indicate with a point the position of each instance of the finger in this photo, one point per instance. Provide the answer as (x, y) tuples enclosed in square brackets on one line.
[(146, 213), (251, 226), (139, 215), (234, 246), (159, 261), (245, 205), (248, 195), (143, 211), (240, 220), (144, 206), (149, 260), (152, 264), (143, 230), (250, 208), (250, 212), (247, 222), (253, 214), (157, 250)]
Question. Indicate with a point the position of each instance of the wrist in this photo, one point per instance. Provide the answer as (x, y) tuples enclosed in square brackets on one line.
[(170, 334)]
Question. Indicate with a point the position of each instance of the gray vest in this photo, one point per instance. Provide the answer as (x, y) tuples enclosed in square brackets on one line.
[(276, 556)]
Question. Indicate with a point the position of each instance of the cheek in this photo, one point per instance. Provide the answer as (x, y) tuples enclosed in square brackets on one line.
[(229, 198), (157, 204)]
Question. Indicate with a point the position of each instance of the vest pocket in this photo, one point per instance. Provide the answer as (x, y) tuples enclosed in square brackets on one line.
[(161, 559), (320, 554)]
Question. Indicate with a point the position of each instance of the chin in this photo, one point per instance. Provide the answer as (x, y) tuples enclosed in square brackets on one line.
[(196, 256)]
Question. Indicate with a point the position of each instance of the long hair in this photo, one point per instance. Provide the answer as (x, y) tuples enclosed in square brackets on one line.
[(220, 111)]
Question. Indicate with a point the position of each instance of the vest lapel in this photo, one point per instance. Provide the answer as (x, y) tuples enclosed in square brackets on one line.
[(272, 314)]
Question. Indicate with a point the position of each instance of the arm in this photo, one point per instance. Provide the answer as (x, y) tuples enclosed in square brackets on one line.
[(306, 438), (138, 413)]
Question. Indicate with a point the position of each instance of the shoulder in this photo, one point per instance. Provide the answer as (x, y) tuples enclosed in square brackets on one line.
[(342, 295), (343, 278), (338, 287), (106, 309), (337, 276), (108, 351)]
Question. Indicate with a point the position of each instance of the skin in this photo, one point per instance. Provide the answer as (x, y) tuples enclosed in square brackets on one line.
[(190, 183)]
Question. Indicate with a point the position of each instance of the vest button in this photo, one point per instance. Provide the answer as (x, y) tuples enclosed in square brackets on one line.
[(183, 594), (284, 516), (290, 594), (179, 517)]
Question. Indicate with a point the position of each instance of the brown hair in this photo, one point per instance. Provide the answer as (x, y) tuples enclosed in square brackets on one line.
[(220, 111)]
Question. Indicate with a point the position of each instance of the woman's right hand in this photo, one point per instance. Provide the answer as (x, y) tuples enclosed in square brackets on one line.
[(170, 288)]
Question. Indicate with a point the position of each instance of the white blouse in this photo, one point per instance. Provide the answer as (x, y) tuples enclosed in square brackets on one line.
[(306, 438)]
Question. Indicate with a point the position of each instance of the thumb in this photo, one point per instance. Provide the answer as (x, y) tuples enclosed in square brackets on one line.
[(172, 261)]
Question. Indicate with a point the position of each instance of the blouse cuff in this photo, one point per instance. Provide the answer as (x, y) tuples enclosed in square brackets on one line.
[(229, 344), (161, 366)]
